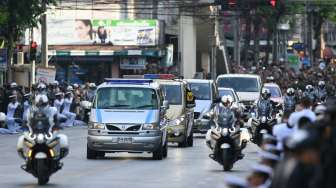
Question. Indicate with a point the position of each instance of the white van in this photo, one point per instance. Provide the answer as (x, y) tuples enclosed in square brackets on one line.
[(247, 86)]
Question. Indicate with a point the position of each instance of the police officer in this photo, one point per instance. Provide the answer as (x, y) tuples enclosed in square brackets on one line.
[(321, 92), (310, 93), (264, 105), (290, 100), (14, 113)]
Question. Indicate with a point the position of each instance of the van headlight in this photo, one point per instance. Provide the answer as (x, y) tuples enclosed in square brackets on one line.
[(149, 126), (93, 125)]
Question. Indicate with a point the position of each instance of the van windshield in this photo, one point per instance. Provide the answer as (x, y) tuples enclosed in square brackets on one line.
[(239, 84), (172, 93), (201, 90), (126, 98)]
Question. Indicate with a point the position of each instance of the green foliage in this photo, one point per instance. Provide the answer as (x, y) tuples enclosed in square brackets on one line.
[(18, 15)]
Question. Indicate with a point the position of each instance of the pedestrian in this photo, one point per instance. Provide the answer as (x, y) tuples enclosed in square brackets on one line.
[(14, 114), (283, 130), (260, 177), (300, 168), (306, 111)]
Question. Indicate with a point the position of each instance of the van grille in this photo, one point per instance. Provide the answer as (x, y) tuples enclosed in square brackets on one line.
[(112, 128), (120, 127)]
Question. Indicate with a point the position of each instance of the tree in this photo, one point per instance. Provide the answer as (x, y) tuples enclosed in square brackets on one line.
[(15, 17)]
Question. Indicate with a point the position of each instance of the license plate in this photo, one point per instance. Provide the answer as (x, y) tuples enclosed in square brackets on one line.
[(124, 140)]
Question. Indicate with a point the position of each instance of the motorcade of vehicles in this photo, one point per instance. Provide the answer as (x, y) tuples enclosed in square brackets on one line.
[(206, 93), (128, 115), (180, 114)]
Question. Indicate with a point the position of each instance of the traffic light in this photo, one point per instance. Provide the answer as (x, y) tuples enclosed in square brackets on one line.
[(273, 3), (33, 50)]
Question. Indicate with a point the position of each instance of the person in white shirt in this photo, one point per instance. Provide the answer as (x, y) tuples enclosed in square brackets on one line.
[(305, 112), (282, 131)]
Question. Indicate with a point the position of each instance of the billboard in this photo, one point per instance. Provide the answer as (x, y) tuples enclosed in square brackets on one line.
[(46, 75), (116, 32)]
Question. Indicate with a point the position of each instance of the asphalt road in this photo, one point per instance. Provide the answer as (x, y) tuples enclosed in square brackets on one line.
[(184, 167)]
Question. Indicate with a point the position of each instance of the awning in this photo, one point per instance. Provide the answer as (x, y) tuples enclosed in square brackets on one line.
[(140, 52)]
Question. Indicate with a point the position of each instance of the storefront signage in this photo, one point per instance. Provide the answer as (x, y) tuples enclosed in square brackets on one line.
[(116, 32), (45, 75), (3, 59), (131, 63)]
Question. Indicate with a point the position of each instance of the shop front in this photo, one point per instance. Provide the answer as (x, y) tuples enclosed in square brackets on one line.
[(80, 66)]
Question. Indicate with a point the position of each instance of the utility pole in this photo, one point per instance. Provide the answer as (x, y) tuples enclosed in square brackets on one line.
[(236, 38), (44, 41)]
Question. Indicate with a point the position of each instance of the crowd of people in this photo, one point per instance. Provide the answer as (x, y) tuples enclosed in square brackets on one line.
[(301, 150), (66, 98)]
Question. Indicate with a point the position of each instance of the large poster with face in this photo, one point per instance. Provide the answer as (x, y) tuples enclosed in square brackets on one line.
[(116, 32)]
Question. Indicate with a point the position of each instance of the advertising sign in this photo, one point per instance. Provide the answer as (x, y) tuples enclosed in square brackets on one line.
[(133, 63), (3, 59), (116, 32), (45, 75)]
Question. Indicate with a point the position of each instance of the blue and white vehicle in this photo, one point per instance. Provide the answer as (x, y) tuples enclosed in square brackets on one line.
[(128, 115), (206, 93)]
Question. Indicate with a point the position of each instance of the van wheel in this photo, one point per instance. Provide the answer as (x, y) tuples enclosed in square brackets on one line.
[(159, 153), (90, 154), (190, 141)]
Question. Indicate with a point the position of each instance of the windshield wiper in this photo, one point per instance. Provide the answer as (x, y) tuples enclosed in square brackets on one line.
[(145, 106), (116, 106)]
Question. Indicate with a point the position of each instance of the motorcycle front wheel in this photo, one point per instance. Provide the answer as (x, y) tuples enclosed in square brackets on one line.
[(227, 164), (42, 171)]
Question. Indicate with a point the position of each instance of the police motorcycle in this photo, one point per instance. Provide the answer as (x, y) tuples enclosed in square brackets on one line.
[(290, 100), (224, 139), (42, 147), (264, 120)]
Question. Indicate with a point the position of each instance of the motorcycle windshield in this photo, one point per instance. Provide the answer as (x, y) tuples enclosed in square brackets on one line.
[(225, 121), (40, 124)]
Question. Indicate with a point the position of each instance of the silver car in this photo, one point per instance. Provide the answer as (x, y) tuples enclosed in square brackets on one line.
[(128, 116)]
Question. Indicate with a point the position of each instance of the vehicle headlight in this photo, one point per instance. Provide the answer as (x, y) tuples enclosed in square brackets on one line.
[(149, 126), (93, 125)]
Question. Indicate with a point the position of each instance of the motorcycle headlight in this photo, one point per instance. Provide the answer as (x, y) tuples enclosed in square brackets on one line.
[(93, 125), (263, 119), (149, 126)]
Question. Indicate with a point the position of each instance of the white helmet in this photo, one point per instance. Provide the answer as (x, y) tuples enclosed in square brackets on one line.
[(41, 100), (227, 99), (69, 88), (13, 85), (55, 83), (41, 86), (265, 93), (309, 87), (290, 91), (321, 84), (2, 117), (76, 86)]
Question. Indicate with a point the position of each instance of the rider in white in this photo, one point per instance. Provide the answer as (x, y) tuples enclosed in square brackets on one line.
[(42, 105)]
